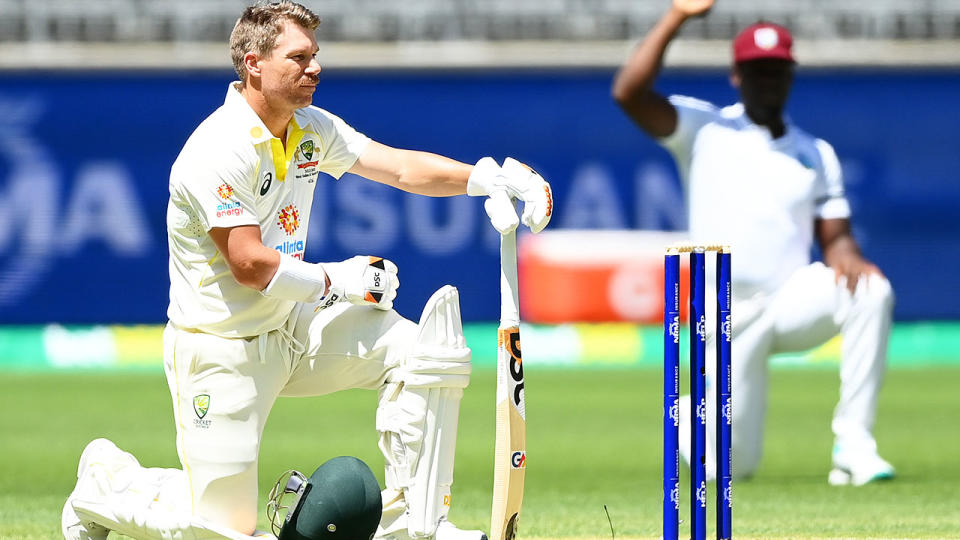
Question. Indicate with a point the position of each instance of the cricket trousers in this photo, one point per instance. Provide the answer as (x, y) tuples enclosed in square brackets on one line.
[(224, 388), (808, 310)]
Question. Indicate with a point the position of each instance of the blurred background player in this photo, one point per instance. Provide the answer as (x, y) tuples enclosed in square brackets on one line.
[(758, 182), (250, 320)]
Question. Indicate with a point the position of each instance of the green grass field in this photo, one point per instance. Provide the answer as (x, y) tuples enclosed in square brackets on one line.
[(594, 439)]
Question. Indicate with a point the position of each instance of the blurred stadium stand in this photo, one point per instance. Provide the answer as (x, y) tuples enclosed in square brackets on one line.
[(418, 20), (511, 31)]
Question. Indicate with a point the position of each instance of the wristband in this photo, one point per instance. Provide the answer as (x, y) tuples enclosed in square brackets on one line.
[(297, 280)]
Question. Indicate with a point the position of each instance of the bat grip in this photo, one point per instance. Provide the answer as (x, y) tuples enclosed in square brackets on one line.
[(509, 297)]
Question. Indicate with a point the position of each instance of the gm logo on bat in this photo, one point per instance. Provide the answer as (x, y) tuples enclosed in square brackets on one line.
[(519, 460)]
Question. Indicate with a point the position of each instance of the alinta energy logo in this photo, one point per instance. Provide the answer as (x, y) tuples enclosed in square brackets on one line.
[(228, 208), (225, 191), (289, 219)]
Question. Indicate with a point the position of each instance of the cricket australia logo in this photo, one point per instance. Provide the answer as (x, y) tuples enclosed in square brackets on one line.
[(306, 148), (289, 219), (308, 169), (201, 405)]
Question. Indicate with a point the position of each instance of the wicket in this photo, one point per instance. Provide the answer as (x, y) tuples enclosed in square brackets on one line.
[(698, 402)]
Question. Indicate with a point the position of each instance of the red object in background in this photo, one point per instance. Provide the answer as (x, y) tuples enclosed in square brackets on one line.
[(596, 276)]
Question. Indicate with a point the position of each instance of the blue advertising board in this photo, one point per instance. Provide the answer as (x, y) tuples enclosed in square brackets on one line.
[(84, 160)]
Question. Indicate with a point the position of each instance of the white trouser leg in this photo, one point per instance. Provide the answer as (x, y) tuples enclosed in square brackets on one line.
[(810, 309), (749, 381), (222, 391), (126, 498), (350, 346), (866, 332), (752, 336)]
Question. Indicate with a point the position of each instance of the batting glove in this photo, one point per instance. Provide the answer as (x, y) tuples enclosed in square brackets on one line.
[(517, 182), (362, 280)]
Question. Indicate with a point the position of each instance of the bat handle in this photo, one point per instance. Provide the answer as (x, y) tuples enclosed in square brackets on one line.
[(509, 297)]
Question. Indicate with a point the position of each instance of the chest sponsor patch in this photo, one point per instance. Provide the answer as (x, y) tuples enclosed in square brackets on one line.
[(289, 218), (225, 191), (229, 209)]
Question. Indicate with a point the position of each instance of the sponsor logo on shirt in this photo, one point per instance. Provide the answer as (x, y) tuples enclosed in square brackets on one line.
[(229, 209), (289, 219), (267, 181), (225, 191), (293, 248)]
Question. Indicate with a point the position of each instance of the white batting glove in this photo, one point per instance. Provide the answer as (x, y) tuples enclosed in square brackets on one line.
[(518, 182), (487, 179), (362, 280)]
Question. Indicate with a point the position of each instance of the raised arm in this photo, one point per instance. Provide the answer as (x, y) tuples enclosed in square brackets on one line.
[(633, 84)]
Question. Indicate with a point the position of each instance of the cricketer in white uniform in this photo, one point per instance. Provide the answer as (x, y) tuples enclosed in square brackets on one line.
[(757, 182), (251, 320)]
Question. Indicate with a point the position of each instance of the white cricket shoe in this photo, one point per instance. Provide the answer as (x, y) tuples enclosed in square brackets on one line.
[(449, 531), (858, 468), (445, 531), (97, 452)]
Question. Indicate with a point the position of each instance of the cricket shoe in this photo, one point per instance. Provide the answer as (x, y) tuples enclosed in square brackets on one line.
[(858, 468), (445, 531), (449, 531), (97, 455)]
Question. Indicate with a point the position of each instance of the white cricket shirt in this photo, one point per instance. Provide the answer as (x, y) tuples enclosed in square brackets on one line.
[(757, 194), (233, 172)]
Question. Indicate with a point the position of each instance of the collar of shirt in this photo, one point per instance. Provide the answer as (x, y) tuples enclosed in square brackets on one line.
[(256, 129), (738, 114), (258, 132)]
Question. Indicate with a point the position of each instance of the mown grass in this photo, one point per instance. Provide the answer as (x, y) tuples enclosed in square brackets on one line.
[(594, 439)]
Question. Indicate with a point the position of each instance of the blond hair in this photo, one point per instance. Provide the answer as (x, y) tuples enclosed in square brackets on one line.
[(257, 30)]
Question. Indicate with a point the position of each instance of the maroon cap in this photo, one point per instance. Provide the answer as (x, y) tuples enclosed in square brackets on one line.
[(763, 40)]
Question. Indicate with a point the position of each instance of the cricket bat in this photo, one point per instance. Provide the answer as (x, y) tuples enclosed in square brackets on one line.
[(510, 460)]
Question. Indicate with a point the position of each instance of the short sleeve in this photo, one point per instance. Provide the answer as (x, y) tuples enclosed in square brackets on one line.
[(692, 114), (342, 145), (218, 193), (831, 203)]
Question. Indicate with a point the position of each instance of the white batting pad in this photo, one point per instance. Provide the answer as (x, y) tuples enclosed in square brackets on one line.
[(418, 414)]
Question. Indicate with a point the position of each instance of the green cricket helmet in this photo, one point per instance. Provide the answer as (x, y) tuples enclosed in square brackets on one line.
[(340, 501)]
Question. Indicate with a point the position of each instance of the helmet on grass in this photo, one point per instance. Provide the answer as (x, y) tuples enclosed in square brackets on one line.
[(340, 501)]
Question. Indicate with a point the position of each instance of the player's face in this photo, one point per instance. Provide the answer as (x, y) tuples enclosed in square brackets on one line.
[(764, 83), (290, 74)]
